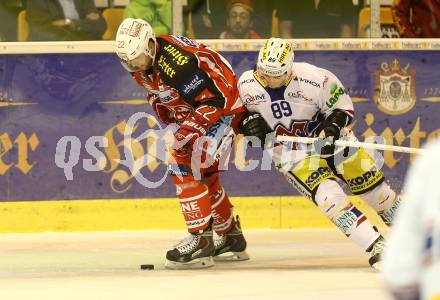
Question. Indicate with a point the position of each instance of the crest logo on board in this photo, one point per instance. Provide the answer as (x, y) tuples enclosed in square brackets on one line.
[(395, 88)]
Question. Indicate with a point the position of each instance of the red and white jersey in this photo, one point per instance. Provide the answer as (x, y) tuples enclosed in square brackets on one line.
[(298, 108), (411, 263), (185, 75)]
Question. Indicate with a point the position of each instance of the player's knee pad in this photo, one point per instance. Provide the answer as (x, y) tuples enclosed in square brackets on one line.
[(384, 201), (330, 198)]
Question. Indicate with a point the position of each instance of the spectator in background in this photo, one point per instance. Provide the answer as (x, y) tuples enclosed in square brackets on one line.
[(64, 20), (204, 18), (158, 13), (239, 21), (318, 19), (417, 18)]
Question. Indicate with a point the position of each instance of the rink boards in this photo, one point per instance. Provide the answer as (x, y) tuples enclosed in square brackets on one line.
[(272, 212), (58, 99)]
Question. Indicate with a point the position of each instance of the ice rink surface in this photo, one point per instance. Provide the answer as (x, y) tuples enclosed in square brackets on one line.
[(285, 264)]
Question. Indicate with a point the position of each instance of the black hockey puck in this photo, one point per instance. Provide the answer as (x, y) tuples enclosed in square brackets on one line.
[(147, 267)]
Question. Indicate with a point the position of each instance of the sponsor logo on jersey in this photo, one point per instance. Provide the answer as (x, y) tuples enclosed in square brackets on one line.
[(299, 94), (177, 55), (253, 99), (165, 98), (185, 41), (315, 175), (315, 84), (165, 67), (364, 178), (249, 80), (194, 83), (395, 88), (335, 93)]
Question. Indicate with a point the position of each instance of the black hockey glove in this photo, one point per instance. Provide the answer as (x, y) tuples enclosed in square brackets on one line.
[(329, 132), (255, 125)]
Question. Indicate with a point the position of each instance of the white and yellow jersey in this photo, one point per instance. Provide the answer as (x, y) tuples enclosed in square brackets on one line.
[(300, 106)]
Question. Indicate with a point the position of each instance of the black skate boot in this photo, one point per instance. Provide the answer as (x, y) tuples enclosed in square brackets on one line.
[(375, 251), (194, 252), (231, 246)]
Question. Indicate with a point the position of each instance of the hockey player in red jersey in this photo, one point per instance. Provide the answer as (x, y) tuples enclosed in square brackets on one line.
[(194, 87)]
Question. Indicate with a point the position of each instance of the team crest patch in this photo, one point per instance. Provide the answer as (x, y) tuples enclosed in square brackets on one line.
[(395, 88)]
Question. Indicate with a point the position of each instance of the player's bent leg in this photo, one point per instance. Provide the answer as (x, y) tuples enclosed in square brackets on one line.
[(195, 201), (366, 180), (230, 244), (333, 202), (384, 201)]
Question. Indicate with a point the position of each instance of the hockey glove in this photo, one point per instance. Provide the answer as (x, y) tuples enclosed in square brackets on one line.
[(196, 125), (329, 132), (328, 137), (255, 125)]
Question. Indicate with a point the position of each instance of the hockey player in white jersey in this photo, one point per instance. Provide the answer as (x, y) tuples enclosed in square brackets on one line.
[(411, 265), (300, 99)]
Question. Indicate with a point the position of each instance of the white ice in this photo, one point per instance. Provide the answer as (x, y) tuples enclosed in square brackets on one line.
[(285, 264)]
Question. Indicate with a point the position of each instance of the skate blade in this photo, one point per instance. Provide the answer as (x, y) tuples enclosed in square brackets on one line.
[(232, 256), (198, 263)]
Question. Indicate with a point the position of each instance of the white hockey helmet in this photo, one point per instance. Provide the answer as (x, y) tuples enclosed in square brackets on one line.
[(132, 39), (275, 58)]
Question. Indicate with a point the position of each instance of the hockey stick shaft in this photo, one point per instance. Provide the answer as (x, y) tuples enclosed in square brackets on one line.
[(372, 146)]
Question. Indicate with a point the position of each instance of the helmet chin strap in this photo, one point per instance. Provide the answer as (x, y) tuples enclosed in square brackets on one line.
[(289, 78)]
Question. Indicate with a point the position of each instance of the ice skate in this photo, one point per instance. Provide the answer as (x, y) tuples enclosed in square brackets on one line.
[(194, 252), (231, 246), (375, 251)]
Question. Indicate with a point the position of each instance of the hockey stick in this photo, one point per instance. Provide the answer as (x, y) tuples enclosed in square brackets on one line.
[(308, 140)]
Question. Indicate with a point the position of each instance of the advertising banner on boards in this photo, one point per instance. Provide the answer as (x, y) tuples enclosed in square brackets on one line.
[(55, 109)]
